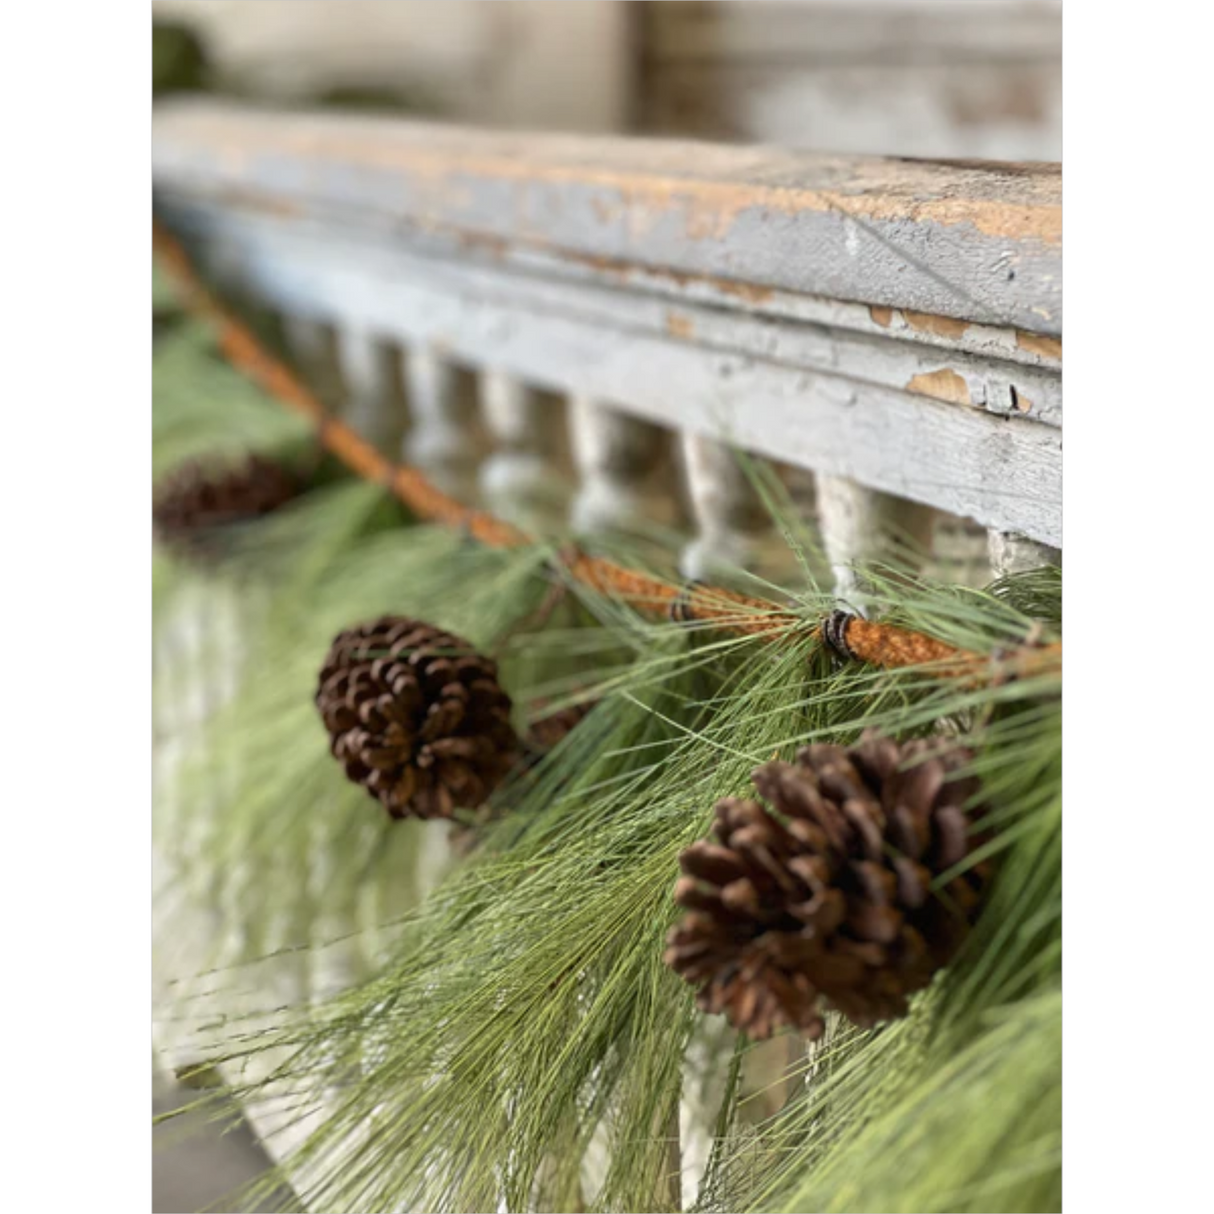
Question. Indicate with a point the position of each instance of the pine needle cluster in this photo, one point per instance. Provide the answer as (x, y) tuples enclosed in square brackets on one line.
[(504, 1034)]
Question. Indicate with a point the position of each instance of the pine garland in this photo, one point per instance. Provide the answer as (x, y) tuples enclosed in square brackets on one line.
[(512, 1038)]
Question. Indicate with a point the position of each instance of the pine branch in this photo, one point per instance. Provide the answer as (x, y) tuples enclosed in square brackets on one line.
[(523, 1018)]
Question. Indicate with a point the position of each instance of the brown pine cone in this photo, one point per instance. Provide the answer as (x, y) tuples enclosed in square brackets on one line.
[(417, 717), (825, 899), (200, 496), (548, 730)]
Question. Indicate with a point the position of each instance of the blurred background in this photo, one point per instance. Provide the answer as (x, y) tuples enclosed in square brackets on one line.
[(935, 78), (948, 79)]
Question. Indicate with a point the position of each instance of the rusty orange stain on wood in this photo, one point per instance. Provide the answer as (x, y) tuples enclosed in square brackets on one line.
[(495, 246), (262, 204), (921, 322), (751, 292), (942, 326), (679, 324), (713, 206), (944, 384), (1034, 343), (712, 186)]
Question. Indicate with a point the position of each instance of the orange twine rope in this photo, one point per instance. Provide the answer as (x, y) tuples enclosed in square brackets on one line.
[(872, 642)]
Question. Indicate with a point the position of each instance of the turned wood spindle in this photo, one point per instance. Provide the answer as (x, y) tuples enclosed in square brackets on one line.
[(864, 526), (444, 440), (618, 459), (375, 401), (522, 479)]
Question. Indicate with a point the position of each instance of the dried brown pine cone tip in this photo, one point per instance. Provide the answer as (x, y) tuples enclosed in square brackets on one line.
[(200, 496), (550, 729), (417, 717), (825, 900)]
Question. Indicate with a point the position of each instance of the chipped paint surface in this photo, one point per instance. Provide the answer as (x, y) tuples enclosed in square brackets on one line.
[(944, 384), (610, 268), (810, 393), (760, 217), (679, 324), (922, 322), (1047, 347), (820, 336), (626, 271), (494, 246), (750, 292), (942, 326), (716, 183)]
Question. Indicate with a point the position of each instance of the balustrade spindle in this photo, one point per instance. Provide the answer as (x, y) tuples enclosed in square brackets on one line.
[(313, 346), (522, 478), (375, 399), (444, 439), (960, 552), (618, 459), (733, 529), (1012, 553), (862, 526)]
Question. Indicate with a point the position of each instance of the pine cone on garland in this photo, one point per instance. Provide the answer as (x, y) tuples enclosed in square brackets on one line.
[(200, 496), (549, 730), (827, 900), (417, 717)]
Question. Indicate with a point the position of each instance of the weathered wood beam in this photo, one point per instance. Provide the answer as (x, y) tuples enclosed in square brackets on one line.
[(976, 242), (670, 302)]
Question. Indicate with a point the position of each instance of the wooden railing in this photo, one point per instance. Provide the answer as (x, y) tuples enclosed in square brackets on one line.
[(892, 326)]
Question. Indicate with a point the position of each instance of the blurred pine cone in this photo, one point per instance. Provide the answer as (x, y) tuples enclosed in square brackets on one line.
[(198, 497), (826, 899), (550, 729), (417, 717)]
